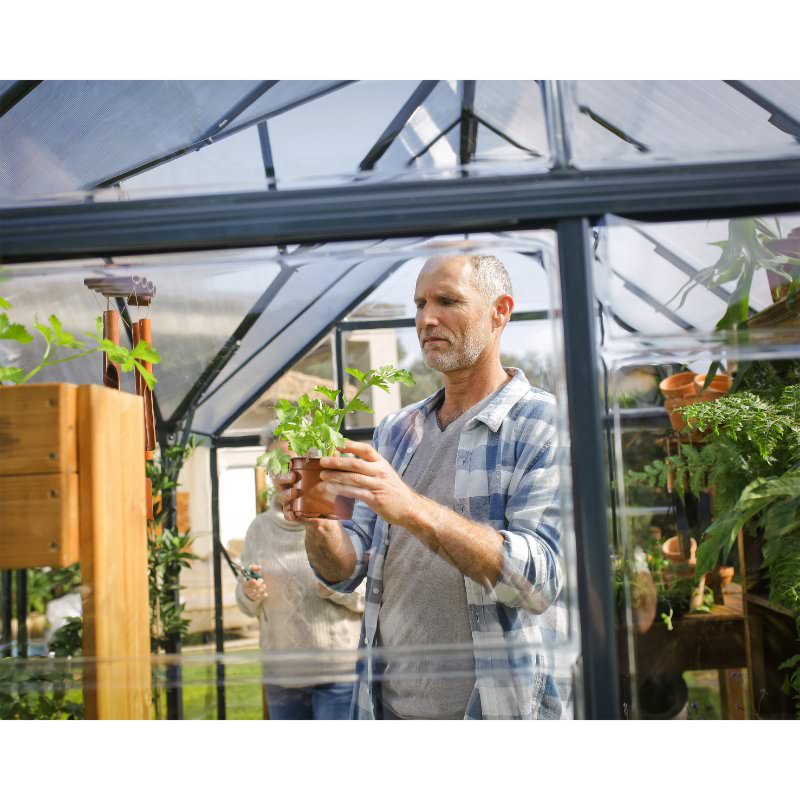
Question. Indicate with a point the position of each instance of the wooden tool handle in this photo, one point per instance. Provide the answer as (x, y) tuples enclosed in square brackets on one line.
[(146, 335), (111, 371)]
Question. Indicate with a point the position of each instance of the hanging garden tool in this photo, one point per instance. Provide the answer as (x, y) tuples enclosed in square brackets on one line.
[(135, 291)]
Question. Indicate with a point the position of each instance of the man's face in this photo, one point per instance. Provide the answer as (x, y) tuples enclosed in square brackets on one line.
[(454, 322)]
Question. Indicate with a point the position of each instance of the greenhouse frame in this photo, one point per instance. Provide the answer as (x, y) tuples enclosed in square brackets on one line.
[(283, 222)]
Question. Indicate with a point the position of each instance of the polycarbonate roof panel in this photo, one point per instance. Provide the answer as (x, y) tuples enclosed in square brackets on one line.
[(329, 136), (646, 121), (440, 110), (281, 96), (200, 301), (314, 312), (784, 94), (515, 108), (69, 135), (234, 163)]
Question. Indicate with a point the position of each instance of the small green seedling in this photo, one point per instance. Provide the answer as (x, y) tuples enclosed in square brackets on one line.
[(313, 425)]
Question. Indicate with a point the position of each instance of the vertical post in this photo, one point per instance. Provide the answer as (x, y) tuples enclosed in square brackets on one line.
[(22, 613), (595, 599), (173, 644), (7, 608), (338, 352), (219, 633)]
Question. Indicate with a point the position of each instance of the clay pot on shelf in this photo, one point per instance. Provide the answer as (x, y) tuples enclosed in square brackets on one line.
[(681, 384), (313, 501), (672, 550), (675, 417), (720, 385)]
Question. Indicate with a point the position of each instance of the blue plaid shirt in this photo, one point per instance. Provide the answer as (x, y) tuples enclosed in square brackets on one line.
[(507, 478)]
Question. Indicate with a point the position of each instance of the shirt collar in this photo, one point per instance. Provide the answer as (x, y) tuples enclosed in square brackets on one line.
[(497, 410)]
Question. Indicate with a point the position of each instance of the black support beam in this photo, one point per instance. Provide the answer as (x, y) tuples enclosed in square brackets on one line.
[(377, 211), (590, 498), (15, 93)]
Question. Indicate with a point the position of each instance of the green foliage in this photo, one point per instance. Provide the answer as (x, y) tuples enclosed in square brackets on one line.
[(792, 683), (312, 425), (57, 339), (743, 253), (168, 549), (37, 691)]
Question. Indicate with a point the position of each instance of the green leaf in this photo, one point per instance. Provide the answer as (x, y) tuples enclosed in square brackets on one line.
[(4, 303), (357, 374), (274, 461), (14, 331), (357, 405), (331, 394), (13, 374)]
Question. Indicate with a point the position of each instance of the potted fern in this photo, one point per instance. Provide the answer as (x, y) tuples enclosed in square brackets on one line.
[(311, 428)]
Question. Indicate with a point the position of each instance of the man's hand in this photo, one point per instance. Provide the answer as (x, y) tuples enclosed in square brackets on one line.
[(286, 492), (254, 588), (371, 479)]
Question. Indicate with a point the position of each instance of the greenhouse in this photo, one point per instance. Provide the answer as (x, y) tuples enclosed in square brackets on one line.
[(195, 274)]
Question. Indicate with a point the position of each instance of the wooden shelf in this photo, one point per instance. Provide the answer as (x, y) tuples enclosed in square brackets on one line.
[(778, 315)]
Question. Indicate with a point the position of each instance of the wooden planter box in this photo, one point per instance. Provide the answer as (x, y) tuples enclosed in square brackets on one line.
[(39, 514), (72, 488)]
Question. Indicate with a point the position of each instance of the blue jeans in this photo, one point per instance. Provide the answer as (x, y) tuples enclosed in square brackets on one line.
[(325, 701)]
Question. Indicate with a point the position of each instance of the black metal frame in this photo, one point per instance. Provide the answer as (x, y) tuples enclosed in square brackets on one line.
[(564, 199), (219, 630), (15, 93), (372, 210)]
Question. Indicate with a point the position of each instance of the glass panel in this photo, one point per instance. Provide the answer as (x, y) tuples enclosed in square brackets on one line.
[(329, 136), (283, 95), (316, 368), (438, 640), (514, 108), (439, 112), (231, 164), (200, 300), (645, 121), (523, 257), (71, 135), (706, 515), (678, 295)]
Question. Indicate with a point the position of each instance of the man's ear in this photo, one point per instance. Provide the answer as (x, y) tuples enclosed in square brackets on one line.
[(501, 313)]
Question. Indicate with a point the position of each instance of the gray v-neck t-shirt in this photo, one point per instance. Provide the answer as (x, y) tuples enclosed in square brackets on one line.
[(424, 596)]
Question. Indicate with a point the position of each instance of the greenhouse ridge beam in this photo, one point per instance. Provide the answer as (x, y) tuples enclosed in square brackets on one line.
[(379, 211)]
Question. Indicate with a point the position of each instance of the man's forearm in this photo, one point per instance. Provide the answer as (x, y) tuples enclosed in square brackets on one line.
[(476, 550), (329, 550)]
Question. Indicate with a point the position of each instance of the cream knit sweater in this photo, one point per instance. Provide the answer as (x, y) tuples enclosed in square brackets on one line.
[(294, 616)]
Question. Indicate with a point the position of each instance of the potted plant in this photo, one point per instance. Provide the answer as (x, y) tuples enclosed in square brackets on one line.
[(311, 427)]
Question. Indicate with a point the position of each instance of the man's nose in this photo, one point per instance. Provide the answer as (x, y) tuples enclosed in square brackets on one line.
[(426, 319)]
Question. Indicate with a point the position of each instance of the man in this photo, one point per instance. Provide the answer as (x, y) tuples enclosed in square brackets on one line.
[(457, 528)]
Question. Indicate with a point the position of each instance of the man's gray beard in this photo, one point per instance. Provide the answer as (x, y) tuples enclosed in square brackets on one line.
[(450, 360)]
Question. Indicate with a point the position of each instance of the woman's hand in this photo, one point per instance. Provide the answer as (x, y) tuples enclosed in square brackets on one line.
[(254, 588)]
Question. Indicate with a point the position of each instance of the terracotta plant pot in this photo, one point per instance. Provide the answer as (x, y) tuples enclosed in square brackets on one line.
[(675, 417), (313, 502), (720, 385), (681, 384), (672, 550)]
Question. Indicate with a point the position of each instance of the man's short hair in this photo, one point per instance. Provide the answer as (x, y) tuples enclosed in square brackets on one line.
[(490, 277), (268, 434)]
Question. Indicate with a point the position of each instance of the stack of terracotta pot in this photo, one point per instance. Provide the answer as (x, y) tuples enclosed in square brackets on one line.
[(686, 388)]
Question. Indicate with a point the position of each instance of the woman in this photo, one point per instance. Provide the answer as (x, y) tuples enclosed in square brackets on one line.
[(296, 612)]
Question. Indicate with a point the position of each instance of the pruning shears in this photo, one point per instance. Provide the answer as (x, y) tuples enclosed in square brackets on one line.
[(238, 569)]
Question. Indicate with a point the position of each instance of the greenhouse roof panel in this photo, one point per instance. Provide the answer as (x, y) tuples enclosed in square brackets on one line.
[(285, 341), (629, 121)]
